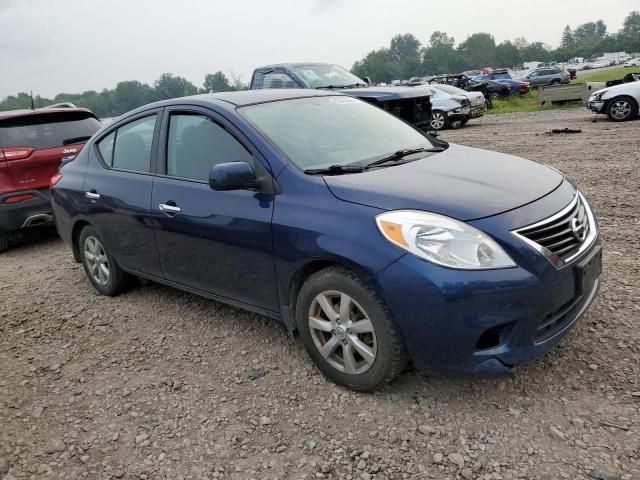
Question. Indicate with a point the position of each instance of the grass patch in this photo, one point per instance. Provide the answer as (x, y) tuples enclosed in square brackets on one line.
[(602, 76), (526, 103)]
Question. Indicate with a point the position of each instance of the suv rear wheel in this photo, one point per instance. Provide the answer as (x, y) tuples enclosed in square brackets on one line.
[(622, 108), (439, 120), (99, 265), (348, 331)]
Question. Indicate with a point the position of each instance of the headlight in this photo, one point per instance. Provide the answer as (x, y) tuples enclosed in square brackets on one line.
[(598, 96), (442, 240)]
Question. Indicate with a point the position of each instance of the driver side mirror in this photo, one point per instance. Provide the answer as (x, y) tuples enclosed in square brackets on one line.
[(232, 176)]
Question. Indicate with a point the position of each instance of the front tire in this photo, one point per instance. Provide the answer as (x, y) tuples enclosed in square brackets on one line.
[(439, 120), (348, 331), (621, 109), (99, 265)]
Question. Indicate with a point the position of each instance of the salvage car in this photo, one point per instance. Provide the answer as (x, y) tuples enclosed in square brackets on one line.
[(411, 105), (378, 243), (477, 102), (33, 143), (619, 102)]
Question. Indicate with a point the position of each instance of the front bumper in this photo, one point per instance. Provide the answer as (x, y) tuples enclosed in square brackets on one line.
[(477, 111), (597, 106), (489, 321), (33, 212)]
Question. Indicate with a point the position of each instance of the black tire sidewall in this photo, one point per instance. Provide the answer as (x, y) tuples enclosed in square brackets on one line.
[(111, 288), (376, 311)]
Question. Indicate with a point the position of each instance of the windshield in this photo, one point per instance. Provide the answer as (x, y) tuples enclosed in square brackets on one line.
[(319, 132), (322, 76)]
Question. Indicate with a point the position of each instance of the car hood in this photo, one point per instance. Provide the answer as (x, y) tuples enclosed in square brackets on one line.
[(628, 88), (384, 94), (461, 182)]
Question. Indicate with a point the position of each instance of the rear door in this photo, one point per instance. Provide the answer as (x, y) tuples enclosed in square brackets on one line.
[(34, 145), (117, 190)]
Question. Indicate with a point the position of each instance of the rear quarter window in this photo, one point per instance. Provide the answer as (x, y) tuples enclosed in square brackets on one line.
[(47, 130)]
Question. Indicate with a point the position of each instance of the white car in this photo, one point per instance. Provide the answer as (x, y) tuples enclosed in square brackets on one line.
[(476, 99), (634, 62), (619, 102)]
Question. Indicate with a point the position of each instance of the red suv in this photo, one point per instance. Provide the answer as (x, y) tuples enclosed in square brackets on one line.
[(32, 145)]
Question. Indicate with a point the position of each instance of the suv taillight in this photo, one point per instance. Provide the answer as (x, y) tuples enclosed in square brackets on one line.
[(17, 153)]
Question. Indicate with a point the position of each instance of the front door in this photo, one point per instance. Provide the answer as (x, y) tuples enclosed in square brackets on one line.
[(216, 242), (118, 192)]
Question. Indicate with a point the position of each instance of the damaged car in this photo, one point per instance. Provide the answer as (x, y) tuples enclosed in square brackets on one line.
[(619, 103), (477, 102), (411, 105)]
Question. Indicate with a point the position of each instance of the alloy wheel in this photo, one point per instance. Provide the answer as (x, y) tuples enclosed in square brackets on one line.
[(620, 109), (97, 261), (342, 332), (437, 120)]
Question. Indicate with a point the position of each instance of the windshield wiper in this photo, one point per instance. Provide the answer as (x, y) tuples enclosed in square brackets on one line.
[(71, 141), (335, 170), (331, 87), (400, 154)]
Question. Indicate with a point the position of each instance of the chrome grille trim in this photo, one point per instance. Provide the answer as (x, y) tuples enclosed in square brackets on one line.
[(562, 254)]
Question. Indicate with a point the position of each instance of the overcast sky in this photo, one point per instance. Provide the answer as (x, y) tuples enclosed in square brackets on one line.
[(74, 45)]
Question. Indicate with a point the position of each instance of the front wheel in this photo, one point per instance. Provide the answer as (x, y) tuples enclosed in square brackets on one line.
[(439, 120), (622, 109), (347, 330), (99, 265)]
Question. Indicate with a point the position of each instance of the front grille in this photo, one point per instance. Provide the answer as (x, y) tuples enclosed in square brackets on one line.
[(562, 235)]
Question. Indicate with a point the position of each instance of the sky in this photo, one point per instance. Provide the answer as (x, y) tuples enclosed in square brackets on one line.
[(53, 46)]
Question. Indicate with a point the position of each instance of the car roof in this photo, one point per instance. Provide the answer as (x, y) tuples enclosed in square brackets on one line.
[(292, 64), (238, 99), (41, 111)]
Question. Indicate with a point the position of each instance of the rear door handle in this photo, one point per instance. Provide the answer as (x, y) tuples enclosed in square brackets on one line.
[(93, 195), (172, 209)]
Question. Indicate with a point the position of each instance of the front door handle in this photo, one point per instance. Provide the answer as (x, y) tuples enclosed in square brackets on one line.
[(171, 209), (92, 194)]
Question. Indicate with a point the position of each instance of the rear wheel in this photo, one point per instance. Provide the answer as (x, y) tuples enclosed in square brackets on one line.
[(4, 241), (622, 108), (439, 120), (347, 330), (555, 82), (99, 265)]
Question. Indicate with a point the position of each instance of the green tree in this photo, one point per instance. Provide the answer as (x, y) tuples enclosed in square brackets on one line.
[(174, 86), (568, 39), (631, 25), (507, 55), (216, 82), (377, 65), (439, 55), (478, 50)]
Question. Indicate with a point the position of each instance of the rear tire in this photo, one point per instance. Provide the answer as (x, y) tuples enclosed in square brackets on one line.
[(554, 83), (99, 265), (621, 109), (4, 241), (348, 330)]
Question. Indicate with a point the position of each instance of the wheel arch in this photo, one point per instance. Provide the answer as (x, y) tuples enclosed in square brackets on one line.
[(78, 226), (299, 277)]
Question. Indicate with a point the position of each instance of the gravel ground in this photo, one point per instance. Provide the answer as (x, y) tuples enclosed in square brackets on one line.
[(162, 384)]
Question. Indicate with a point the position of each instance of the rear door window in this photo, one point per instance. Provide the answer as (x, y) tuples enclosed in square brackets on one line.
[(129, 147), (48, 130)]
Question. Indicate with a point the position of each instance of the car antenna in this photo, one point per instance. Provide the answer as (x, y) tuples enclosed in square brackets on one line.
[(33, 105), (166, 95)]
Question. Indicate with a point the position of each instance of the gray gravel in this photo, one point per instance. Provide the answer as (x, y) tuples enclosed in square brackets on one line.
[(161, 384)]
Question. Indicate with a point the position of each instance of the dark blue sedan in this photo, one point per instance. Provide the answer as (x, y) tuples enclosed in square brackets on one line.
[(377, 243)]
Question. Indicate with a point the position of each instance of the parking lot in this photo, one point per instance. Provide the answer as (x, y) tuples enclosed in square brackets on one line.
[(158, 383)]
